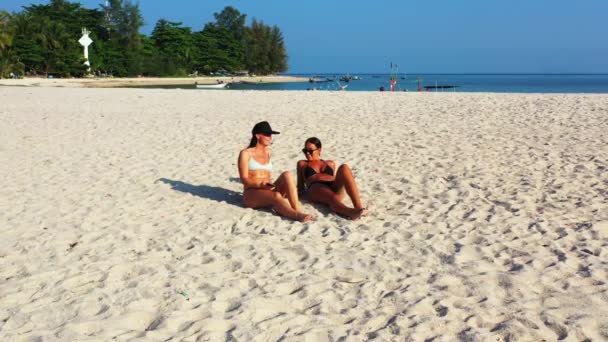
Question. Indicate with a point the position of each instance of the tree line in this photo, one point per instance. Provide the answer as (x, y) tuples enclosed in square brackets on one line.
[(43, 39)]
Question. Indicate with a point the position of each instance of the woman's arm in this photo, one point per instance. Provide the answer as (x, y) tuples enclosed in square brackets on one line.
[(300, 174), (319, 177), (333, 166), (322, 176)]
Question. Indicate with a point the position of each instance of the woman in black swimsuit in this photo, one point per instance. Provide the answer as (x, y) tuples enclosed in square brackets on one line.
[(324, 185)]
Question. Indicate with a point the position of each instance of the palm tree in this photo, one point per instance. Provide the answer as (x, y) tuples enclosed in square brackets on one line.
[(5, 30), (52, 37), (6, 41), (26, 45), (22, 23)]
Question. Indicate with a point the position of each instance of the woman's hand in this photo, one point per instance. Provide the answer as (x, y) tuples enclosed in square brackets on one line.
[(267, 186), (319, 177), (325, 177)]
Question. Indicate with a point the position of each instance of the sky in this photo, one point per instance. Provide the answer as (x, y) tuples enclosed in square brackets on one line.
[(441, 36)]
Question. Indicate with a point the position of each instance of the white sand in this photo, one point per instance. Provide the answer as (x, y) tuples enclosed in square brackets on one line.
[(139, 81), (121, 218)]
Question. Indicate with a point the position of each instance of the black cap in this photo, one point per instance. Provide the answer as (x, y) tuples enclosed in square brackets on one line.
[(263, 128)]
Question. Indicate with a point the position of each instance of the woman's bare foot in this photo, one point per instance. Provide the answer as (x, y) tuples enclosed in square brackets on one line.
[(303, 217), (358, 213), (353, 213), (365, 210)]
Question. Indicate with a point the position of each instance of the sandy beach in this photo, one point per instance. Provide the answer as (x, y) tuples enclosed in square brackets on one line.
[(122, 218), (122, 82)]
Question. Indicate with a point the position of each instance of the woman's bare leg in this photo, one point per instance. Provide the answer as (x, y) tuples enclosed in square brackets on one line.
[(322, 194), (287, 187), (346, 180), (262, 198)]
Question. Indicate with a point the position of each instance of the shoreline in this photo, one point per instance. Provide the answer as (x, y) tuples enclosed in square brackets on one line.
[(142, 81), (159, 83)]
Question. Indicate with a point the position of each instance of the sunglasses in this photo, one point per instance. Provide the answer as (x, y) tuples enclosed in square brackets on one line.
[(308, 151)]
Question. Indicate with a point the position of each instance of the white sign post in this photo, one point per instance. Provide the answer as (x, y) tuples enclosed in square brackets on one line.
[(85, 41)]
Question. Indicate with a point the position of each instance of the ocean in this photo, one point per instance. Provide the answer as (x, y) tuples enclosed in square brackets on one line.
[(495, 83)]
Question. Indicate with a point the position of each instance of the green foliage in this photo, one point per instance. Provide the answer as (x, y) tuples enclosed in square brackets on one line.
[(232, 20), (174, 47), (218, 50), (44, 39), (6, 31), (266, 51), (27, 50), (7, 35), (278, 52), (122, 21)]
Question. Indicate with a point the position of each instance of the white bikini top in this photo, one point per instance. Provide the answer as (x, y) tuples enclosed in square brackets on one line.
[(255, 166)]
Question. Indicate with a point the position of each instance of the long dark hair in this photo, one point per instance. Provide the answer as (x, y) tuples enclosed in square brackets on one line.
[(254, 141), (313, 140)]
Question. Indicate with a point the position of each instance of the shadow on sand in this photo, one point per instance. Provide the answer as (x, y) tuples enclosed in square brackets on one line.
[(210, 192)]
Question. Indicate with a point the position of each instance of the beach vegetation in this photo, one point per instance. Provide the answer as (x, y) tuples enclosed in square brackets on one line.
[(42, 39), (266, 52), (173, 50), (122, 53), (8, 58)]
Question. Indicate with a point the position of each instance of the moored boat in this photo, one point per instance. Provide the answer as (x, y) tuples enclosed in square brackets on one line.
[(212, 86)]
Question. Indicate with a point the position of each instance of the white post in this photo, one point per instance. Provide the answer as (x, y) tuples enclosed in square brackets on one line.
[(85, 41)]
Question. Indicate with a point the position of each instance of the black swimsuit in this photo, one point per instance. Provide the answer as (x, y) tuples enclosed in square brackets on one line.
[(309, 171)]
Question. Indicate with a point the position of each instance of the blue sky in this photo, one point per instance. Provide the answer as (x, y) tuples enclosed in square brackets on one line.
[(441, 36)]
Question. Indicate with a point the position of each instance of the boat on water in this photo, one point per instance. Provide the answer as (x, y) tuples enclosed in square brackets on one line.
[(251, 82), (319, 79), (212, 86), (348, 78), (440, 86)]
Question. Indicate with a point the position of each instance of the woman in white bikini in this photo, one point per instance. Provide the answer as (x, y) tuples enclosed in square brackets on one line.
[(254, 169)]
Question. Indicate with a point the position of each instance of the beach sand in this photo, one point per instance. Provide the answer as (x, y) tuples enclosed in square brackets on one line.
[(121, 82), (122, 218)]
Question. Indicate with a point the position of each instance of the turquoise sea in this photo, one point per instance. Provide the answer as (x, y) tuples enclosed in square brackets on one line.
[(495, 83), (498, 83)]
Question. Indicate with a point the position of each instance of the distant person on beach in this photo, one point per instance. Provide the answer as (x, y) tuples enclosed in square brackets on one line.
[(325, 184), (259, 190)]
